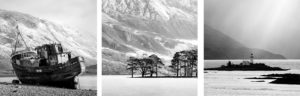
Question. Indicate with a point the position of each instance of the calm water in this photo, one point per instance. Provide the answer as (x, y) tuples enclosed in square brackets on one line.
[(232, 83), (85, 82)]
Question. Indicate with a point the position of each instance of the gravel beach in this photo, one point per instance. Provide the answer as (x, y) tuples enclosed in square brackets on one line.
[(7, 89)]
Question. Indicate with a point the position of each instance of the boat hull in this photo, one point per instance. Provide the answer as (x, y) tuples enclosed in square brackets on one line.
[(60, 75)]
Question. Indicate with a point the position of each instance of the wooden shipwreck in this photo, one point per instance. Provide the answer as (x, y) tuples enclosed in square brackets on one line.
[(47, 64)]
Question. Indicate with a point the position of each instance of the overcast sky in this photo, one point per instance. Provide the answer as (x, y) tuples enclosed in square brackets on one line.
[(273, 25), (78, 14)]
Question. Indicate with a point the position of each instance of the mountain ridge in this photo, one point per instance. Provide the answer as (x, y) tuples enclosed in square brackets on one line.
[(217, 45), (36, 32), (137, 27)]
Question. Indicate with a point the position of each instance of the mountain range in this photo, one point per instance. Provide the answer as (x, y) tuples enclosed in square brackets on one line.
[(37, 31), (145, 27), (218, 45)]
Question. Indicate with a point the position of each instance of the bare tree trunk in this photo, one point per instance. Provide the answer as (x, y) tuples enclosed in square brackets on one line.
[(180, 71), (143, 73), (151, 72), (177, 71), (192, 67), (156, 69), (185, 69), (197, 73), (131, 72)]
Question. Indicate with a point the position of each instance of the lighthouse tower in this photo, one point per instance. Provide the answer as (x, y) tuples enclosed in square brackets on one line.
[(251, 59)]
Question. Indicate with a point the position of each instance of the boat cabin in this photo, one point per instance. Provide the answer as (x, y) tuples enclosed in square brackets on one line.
[(45, 55), (25, 58)]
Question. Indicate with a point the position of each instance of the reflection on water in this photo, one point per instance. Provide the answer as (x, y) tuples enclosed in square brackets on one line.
[(85, 82)]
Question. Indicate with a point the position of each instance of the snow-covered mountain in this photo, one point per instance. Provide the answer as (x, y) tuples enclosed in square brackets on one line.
[(36, 32), (137, 27), (218, 45)]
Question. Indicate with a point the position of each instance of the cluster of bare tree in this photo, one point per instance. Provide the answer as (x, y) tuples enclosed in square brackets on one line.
[(184, 63), (147, 65)]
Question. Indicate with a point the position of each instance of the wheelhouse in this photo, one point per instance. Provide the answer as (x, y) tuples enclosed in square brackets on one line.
[(45, 55)]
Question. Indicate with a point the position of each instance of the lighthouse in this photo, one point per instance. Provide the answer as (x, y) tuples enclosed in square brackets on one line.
[(251, 59)]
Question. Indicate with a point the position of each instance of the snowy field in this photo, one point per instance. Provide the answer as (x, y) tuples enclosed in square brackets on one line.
[(126, 86)]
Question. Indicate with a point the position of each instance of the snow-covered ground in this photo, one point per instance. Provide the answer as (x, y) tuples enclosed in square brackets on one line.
[(126, 86)]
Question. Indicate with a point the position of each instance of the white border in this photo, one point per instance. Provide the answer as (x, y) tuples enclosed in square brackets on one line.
[(200, 30), (99, 48)]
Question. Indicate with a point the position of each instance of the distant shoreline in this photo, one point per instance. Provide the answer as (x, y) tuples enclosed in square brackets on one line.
[(255, 59)]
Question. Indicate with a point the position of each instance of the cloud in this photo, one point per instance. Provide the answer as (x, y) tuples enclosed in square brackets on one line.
[(272, 25)]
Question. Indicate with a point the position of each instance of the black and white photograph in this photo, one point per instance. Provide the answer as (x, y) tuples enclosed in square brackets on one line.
[(149, 47), (48, 47), (251, 48)]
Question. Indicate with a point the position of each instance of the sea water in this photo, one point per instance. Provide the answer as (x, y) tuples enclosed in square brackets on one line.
[(233, 83), (88, 82)]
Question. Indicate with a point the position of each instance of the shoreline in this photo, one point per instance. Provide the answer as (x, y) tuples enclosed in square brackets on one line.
[(84, 82), (35, 90), (13, 75)]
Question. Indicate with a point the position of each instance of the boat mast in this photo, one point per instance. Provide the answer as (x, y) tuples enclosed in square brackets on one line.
[(16, 44), (19, 33), (17, 39)]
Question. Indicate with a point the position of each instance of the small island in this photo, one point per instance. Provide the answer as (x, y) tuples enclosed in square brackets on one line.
[(286, 78), (247, 66)]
